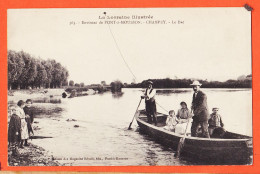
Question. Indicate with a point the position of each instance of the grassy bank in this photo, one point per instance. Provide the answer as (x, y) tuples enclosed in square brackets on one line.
[(31, 155)]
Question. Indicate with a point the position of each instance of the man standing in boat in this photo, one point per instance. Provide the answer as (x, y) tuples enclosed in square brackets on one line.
[(200, 111), (150, 105)]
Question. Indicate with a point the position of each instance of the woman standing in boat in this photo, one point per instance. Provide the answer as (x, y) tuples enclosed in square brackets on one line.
[(150, 105)]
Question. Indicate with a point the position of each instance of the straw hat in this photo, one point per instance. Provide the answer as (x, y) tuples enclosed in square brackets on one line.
[(196, 83), (150, 82)]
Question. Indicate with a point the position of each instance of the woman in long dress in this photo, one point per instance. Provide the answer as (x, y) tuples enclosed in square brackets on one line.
[(24, 128)]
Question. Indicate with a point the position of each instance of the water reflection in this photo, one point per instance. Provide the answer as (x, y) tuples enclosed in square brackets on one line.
[(117, 95)]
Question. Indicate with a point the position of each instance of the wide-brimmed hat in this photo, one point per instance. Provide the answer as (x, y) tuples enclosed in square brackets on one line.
[(215, 108), (150, 82), (196, 83)]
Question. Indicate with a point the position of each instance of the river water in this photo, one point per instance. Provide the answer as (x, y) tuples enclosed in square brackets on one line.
[(102, 138)]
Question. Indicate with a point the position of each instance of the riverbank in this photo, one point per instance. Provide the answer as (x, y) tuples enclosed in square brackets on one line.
[(34, 155), (31, 155)]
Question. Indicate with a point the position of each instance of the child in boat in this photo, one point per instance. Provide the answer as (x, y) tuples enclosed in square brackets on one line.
[(171, 121), (215, 121), (14, 132)]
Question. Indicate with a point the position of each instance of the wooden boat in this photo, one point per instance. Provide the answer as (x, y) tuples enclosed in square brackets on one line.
[(231, 149)]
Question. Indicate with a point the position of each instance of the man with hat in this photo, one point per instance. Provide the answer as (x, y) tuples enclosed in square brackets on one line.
[(200, 111), (150, 105)]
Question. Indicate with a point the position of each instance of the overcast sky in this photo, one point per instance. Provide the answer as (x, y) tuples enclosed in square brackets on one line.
[(213, 43)]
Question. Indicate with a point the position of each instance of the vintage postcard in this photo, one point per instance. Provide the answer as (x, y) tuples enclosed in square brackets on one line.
[(120, 86), (129, 87)]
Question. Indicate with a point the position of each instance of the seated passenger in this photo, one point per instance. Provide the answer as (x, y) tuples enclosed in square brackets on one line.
[(215, 121), (184, 113), (171, 121)]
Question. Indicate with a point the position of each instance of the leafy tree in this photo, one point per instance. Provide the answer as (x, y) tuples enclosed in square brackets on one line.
[(49, 68), (71, 83), (116, 86), (26, 71), (15, 68), (103, 83), (29, 71), (42, 76), (82, 84)]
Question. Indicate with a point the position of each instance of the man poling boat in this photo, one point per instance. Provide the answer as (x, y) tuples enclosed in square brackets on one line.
[(150, 105)]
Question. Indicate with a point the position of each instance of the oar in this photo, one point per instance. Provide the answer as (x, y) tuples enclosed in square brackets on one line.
[(134, 115), (181, 142)]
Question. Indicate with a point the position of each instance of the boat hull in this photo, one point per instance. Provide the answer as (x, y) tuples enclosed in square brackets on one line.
[(213, 151)]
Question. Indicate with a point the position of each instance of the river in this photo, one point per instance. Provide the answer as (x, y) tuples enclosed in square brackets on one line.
[(101, 137)]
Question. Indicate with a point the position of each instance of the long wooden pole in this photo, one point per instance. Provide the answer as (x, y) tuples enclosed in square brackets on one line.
[(182, 140), (134, 114)]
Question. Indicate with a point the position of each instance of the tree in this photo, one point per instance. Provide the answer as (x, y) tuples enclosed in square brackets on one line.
[(49, 68), (15, 68), (103, 83), (116, 86), (29, 71), (71, 83), (64, 76), (82, 84), (42, 76), (26, 71)]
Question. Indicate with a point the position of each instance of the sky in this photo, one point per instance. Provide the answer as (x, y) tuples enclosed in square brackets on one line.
[(212, 43)]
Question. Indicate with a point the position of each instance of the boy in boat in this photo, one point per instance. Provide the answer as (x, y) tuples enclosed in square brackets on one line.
[(150, 105), (171, 121), (215, 121), (14, 132)]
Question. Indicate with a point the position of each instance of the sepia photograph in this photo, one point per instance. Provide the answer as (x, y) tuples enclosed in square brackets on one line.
[(129, 86)]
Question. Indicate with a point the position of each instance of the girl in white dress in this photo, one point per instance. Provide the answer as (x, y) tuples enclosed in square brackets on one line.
[(171, 121), (24, 128)]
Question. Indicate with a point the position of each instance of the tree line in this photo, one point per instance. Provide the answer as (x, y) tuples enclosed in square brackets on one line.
[(26, 71), (185, 83)]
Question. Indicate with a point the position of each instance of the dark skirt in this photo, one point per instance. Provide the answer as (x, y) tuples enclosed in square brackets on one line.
[(150, 107), (13, 128)]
